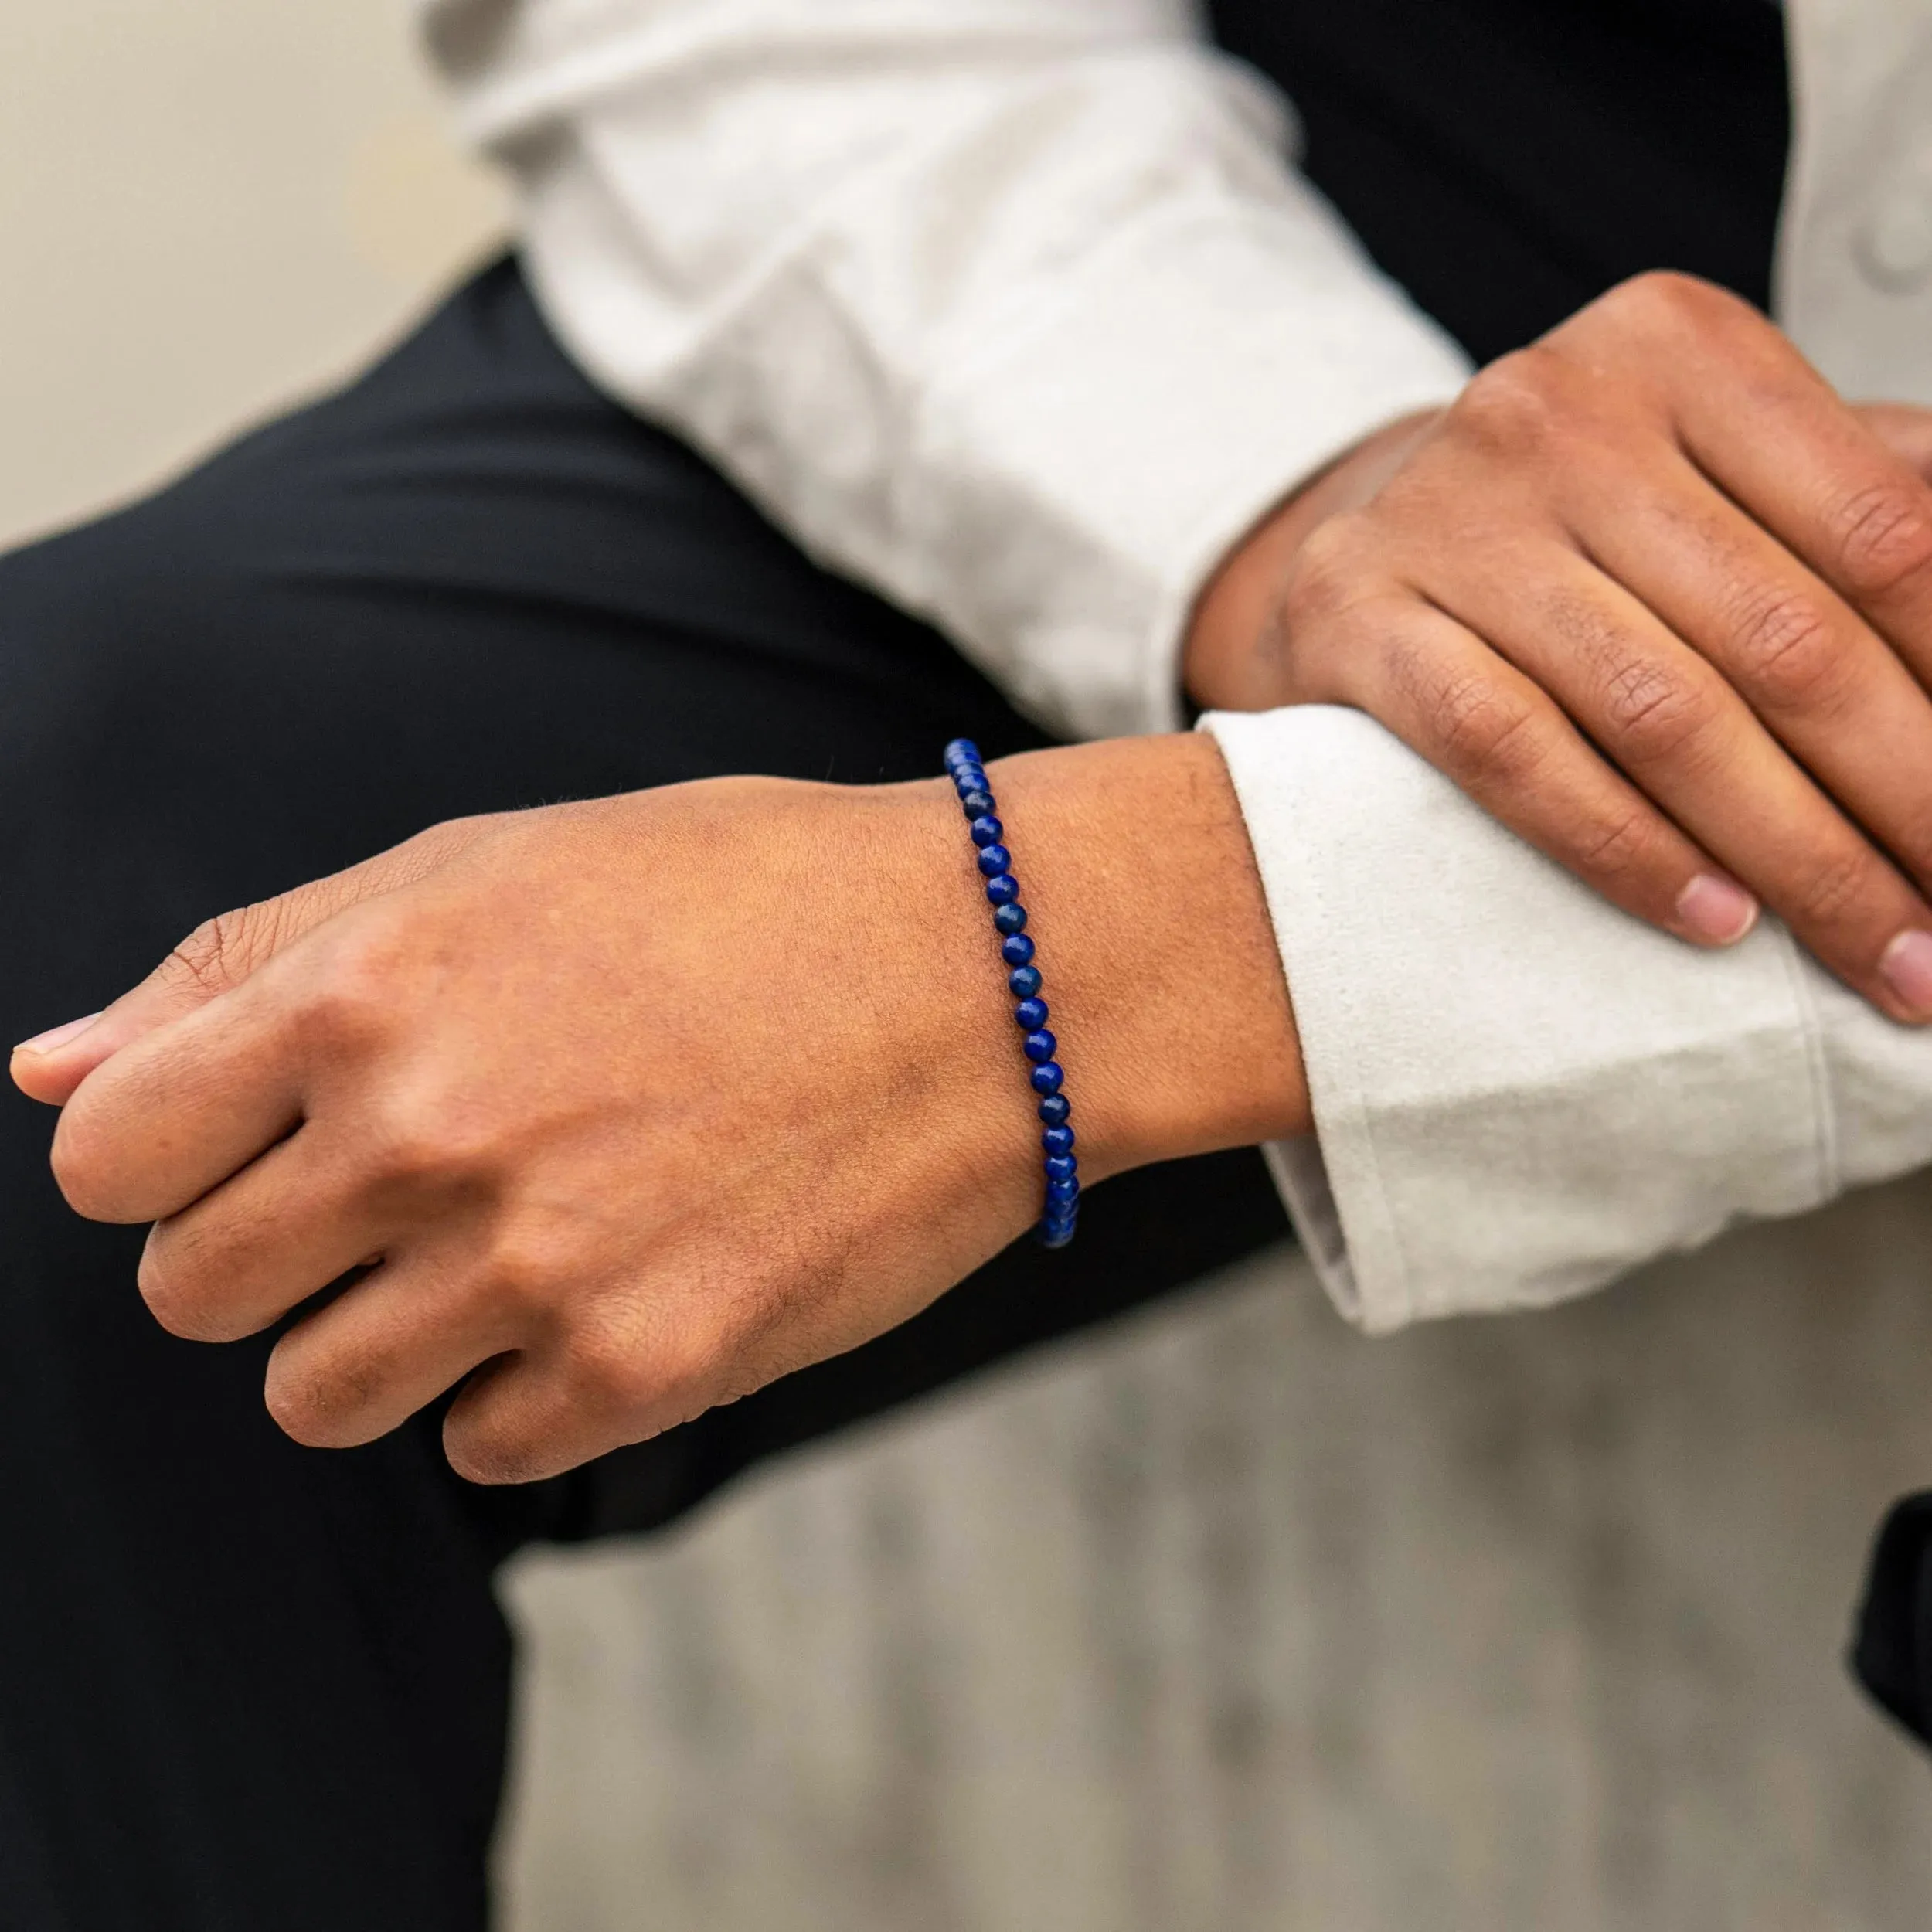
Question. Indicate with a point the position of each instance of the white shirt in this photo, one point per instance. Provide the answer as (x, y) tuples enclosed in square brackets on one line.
[(1018, 311)]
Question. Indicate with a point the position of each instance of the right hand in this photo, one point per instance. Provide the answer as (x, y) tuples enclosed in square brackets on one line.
[(1657, 599)]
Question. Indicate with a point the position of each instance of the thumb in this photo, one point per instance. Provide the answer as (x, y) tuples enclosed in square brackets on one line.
[(217, 956)]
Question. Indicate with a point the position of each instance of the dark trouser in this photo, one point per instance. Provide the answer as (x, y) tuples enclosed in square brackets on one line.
[(244, 1685)]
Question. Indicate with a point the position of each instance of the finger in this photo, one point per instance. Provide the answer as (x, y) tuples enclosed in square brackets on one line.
[(632, 1366), (282, 1229), (384, 1349), (178, 1111), (218, 955), (1829, 689), (1665, 717), (1805, 465), (1904, 428), (1449, 697)]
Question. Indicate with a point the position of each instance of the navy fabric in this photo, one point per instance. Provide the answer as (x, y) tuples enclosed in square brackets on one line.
[(1507, 161), (258, 1688)]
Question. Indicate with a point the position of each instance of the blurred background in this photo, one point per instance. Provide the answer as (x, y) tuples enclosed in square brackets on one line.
[(1226, 1619)]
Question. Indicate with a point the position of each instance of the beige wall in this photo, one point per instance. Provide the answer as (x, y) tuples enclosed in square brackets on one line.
[(205, 207)]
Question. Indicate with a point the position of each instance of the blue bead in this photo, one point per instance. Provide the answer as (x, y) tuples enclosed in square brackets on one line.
[(986, 832), (995, 860), (1046, 1077), (1039, 1046), (1011, 919), (1061, 1167), (961, 751), (1016, 949), (1058, 1140), (1055, 1235), (1031, 1013), (1023, 981), (1062, 1194), (1055, 1108), (976, 804), (1003, 889), (969, 778)]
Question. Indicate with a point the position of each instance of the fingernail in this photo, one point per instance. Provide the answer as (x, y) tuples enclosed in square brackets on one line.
[(1716, 910), (56, 1037), (1906, 966)]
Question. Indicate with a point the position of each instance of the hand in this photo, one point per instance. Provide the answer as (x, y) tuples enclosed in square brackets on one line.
[(621, 1110), (1656, 599)]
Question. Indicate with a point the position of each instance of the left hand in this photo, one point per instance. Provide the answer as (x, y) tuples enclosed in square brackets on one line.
[(622, 1110)]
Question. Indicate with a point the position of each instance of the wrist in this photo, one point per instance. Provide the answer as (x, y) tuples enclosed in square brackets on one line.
[(1160, 963)]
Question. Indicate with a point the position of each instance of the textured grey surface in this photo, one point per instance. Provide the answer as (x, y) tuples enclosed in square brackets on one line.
[(1235, 1621)]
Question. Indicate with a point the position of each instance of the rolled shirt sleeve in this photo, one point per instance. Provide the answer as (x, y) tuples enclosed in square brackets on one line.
[(1520, 1092), (1017, 313)]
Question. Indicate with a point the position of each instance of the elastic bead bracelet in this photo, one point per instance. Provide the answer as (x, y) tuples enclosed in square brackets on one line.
[(1060, 1216)]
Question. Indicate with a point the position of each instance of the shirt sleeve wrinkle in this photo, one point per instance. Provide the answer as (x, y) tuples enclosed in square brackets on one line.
[(1017, 312)]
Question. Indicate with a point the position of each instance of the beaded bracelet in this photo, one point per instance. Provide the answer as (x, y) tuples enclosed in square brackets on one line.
[(1061, 1213)]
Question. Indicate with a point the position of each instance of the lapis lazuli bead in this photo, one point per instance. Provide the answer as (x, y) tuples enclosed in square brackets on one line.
[(1060, 1210)]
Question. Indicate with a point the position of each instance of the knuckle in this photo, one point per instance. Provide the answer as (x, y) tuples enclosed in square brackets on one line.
[(532, 1270), (324, 1404), (414, 1144), (1881, 537), (1834, 885), (1664, 301), (90, 1168), (347, 1010), (1483, 735), (168, 1289), (625, 1370), (174, 1278), (1326, 575), (79, 1171), (221, 952), (1784, 648), (493, 1454), (1653, 713), (1518, 403), (1620, 844)]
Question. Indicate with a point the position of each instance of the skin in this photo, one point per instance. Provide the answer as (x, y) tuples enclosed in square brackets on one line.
[(615, 1112), (611, 1112), (1655, 598)]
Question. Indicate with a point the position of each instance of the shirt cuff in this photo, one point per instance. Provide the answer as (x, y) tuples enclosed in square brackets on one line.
[(1520, 1092)]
